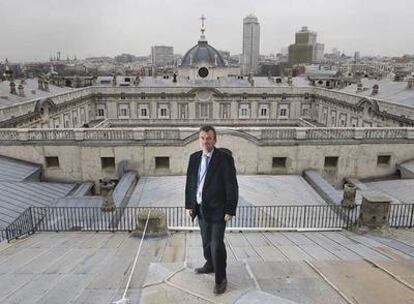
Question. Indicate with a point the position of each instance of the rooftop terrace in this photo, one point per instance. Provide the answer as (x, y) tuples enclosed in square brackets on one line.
[(311, 267)]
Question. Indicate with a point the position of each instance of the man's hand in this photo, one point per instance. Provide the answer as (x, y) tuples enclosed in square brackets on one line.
[(227, 217), (190, 212)]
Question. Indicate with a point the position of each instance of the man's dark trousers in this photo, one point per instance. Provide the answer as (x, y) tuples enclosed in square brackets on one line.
[(214, 250)]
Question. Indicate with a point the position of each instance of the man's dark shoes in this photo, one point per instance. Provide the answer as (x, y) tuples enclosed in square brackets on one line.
[(204, 269), (220, 288)]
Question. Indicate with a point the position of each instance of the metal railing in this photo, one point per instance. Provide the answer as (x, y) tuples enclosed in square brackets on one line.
[(401, 215), (124, 219), (248, 217), (22, 225), (3, 235)]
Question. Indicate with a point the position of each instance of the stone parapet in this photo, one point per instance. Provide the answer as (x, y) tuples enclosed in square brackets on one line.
[(166, 135)]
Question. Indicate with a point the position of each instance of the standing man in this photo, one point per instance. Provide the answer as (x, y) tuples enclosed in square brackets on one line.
[(211, 193)]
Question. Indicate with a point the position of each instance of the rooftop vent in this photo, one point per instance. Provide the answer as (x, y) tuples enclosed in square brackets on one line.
[(375, 89)]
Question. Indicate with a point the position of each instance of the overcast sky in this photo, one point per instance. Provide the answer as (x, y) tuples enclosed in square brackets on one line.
[(36, 29)]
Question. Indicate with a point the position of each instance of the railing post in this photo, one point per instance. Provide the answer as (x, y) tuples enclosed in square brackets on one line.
[(304, 218), (7, 235), (31, 220), (412, 215)]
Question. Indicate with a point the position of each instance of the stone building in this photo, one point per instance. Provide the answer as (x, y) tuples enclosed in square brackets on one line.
[(152, 123), (305, 49)]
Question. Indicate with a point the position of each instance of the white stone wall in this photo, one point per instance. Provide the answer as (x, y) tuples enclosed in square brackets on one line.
[(81, 161)]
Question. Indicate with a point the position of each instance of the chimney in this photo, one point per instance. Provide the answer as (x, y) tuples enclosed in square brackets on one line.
[(40, 84), (375, 89), (290, 81), (410, 82), (46, 85), (21, 90), (359, 87), (13, 88), (251, 80)]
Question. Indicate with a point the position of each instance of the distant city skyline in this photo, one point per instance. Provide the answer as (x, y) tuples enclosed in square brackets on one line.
[(35, 30)]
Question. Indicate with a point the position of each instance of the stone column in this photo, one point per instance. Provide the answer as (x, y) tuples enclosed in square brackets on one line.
[(374, 212)]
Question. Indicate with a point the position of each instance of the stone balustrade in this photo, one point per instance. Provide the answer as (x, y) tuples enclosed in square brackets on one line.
[(167, 135)]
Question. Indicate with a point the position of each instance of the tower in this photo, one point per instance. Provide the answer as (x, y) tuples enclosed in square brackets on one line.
[(305, 49), (251, 44)]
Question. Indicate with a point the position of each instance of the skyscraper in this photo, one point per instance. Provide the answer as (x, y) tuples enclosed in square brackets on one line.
[(305, 49), (251, 44)]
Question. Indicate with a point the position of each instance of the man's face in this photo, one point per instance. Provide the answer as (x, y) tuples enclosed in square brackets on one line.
[(207, 140)]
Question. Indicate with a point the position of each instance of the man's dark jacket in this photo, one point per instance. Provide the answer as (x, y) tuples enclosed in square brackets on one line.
[(220, 190)]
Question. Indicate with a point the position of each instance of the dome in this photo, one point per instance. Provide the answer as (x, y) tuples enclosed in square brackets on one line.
[(203, 53)]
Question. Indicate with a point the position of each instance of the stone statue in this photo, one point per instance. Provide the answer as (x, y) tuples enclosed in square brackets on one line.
[(107, 188)]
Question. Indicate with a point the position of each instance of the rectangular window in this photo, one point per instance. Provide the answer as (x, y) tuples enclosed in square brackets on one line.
[(354, 122), (305, 109), (52, 161), (56, 123), (244, 111), (183, 110), (383, 160), (283, 112), (75, 119), (279, 162), (82, 115), (204, 111), (263, 111), (101, 112), (325, 116), (343, 118), (331, 162), (333, 118), (66, 120), (108, 162), (224, 110), (123, 110), (144, 110), (162, 162), (163, 111)]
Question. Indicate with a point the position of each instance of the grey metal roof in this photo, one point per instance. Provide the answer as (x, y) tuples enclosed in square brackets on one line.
[(222, 82), (202, 52), (16, 170), (17, 196), (30, 89), (392, 91)]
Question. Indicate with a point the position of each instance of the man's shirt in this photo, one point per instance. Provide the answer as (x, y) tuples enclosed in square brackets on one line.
[(202, 172)]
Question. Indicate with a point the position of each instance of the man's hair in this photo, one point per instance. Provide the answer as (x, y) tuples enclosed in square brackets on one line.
[(207, 129)]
